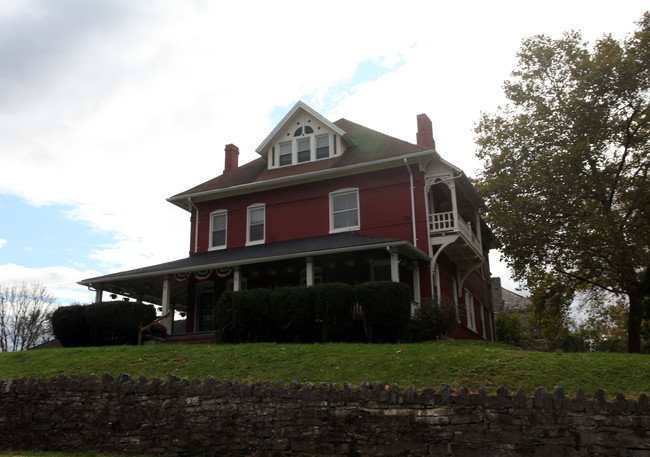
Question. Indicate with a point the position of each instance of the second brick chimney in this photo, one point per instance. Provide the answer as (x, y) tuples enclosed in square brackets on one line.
[(232, 158), (425, 132)]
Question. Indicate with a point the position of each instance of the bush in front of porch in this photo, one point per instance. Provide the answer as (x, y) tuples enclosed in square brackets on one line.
[(319, 313)]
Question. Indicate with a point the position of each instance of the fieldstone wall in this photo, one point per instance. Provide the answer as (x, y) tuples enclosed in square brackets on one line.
[(176, 417)]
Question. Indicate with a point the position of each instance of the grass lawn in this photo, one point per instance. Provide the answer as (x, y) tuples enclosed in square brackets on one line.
[(457, 363)]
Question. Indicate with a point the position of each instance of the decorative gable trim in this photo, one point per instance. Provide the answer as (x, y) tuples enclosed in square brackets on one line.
[(273, 137)]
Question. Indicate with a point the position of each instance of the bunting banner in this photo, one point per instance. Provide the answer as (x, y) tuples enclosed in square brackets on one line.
[(224, 272), (182, 277), (202, 274)]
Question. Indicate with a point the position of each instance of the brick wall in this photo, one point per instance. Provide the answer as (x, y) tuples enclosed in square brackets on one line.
[(179, 417)]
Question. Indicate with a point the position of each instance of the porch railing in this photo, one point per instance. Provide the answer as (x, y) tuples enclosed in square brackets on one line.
[(148, 326), (444, 222)]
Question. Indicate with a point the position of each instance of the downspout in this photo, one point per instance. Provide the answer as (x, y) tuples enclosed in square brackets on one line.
[(196, 226), (415, 239)]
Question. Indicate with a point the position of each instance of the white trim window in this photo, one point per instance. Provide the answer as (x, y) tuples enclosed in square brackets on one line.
[(469, 308), (218, 229), (344, 210), (305, 145), (256, 216)]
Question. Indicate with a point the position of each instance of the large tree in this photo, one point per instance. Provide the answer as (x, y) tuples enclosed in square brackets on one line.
[(566, 166)]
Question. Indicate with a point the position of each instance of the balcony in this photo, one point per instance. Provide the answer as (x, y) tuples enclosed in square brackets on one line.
[(462, 244)]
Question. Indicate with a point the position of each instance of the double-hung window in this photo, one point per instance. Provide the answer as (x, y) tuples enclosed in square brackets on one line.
[(304, 149), (218, 229), (255, 225), (469, 308), (285, 157), (322, 147), (344, 210)]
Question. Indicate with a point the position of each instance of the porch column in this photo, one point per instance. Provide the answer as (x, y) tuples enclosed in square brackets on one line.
[(236, 280), (416, 283), (99, 295), (478, 228), (394, 266), (166, 305), (454, 204), (309, 273)]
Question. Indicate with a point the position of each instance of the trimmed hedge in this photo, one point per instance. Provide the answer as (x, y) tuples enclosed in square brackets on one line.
[(386, 308), (320, 313), (70, 327), (101, 324)]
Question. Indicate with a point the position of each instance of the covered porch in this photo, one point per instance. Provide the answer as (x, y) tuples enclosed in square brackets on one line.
[(193, 285)]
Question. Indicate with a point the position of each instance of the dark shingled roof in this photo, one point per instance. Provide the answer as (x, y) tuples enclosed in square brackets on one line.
[(370, 146), (265, 253)]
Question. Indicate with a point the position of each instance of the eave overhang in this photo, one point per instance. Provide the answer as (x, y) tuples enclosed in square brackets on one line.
[(185, 201)]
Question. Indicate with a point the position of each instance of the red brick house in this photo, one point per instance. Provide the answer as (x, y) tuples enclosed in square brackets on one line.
[(327, 202)]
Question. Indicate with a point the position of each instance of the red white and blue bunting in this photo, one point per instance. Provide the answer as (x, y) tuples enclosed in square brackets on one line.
[(202, 275), (182, 277), (224, 272)]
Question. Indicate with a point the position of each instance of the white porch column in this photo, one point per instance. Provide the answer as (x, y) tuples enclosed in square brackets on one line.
[(394, 266), (416, 283), (478, 228), (454, 204), (166, 305), (99, 295), (309, 273), (236, 280)]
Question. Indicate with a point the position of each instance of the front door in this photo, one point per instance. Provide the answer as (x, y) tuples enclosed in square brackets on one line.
[(206, 302)]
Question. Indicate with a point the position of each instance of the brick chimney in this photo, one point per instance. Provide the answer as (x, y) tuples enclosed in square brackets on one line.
[(232, 158), (425, 132)]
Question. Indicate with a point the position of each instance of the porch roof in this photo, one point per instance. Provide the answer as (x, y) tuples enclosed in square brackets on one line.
[(281, 250)]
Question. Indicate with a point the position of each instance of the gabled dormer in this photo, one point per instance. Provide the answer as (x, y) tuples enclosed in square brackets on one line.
[(302, 136)]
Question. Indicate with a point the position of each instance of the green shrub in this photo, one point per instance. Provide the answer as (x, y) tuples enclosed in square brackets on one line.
[(70, 326), (101, 324), (288, 314), (293, 313), (431, 321), (332, 311), (243, 317), (510, 328), (117, 322), (386, 308)]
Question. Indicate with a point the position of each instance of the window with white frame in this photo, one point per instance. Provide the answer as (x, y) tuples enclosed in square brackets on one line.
[(218, 229), (469, 308), (344, 210), (306, 144), (482, 319), (255, 225)]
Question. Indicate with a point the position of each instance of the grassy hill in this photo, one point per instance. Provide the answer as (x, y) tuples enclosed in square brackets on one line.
[(423, 365)]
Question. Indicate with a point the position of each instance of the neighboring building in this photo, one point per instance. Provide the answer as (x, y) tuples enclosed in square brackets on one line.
[(327, 202), (506, 300)]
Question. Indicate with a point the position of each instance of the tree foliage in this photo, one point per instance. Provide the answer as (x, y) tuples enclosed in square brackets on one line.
[(24, 316), (566, 167)]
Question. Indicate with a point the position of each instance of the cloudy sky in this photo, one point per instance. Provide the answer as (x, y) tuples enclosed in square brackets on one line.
[(108, 107)]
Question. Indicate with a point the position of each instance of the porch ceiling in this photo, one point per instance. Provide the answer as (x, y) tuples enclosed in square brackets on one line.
[(146, 283)]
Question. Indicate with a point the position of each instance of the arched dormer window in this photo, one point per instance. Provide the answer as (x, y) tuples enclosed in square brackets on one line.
[(306, 143)]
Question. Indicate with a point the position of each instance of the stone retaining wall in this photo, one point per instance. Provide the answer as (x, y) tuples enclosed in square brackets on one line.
[(176, 417)]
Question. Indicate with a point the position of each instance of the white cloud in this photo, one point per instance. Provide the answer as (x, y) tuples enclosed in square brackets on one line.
[(60, 281), (2, 242)]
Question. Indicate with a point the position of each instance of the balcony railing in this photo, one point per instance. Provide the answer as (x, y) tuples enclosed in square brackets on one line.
[(443, 223)]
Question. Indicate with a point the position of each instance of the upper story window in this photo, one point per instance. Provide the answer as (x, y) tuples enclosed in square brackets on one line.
[(306, 143), (344, 210), (255, 224), (218, 229)]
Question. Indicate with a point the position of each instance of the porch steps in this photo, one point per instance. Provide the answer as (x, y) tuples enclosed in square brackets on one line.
[(190, 338)]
